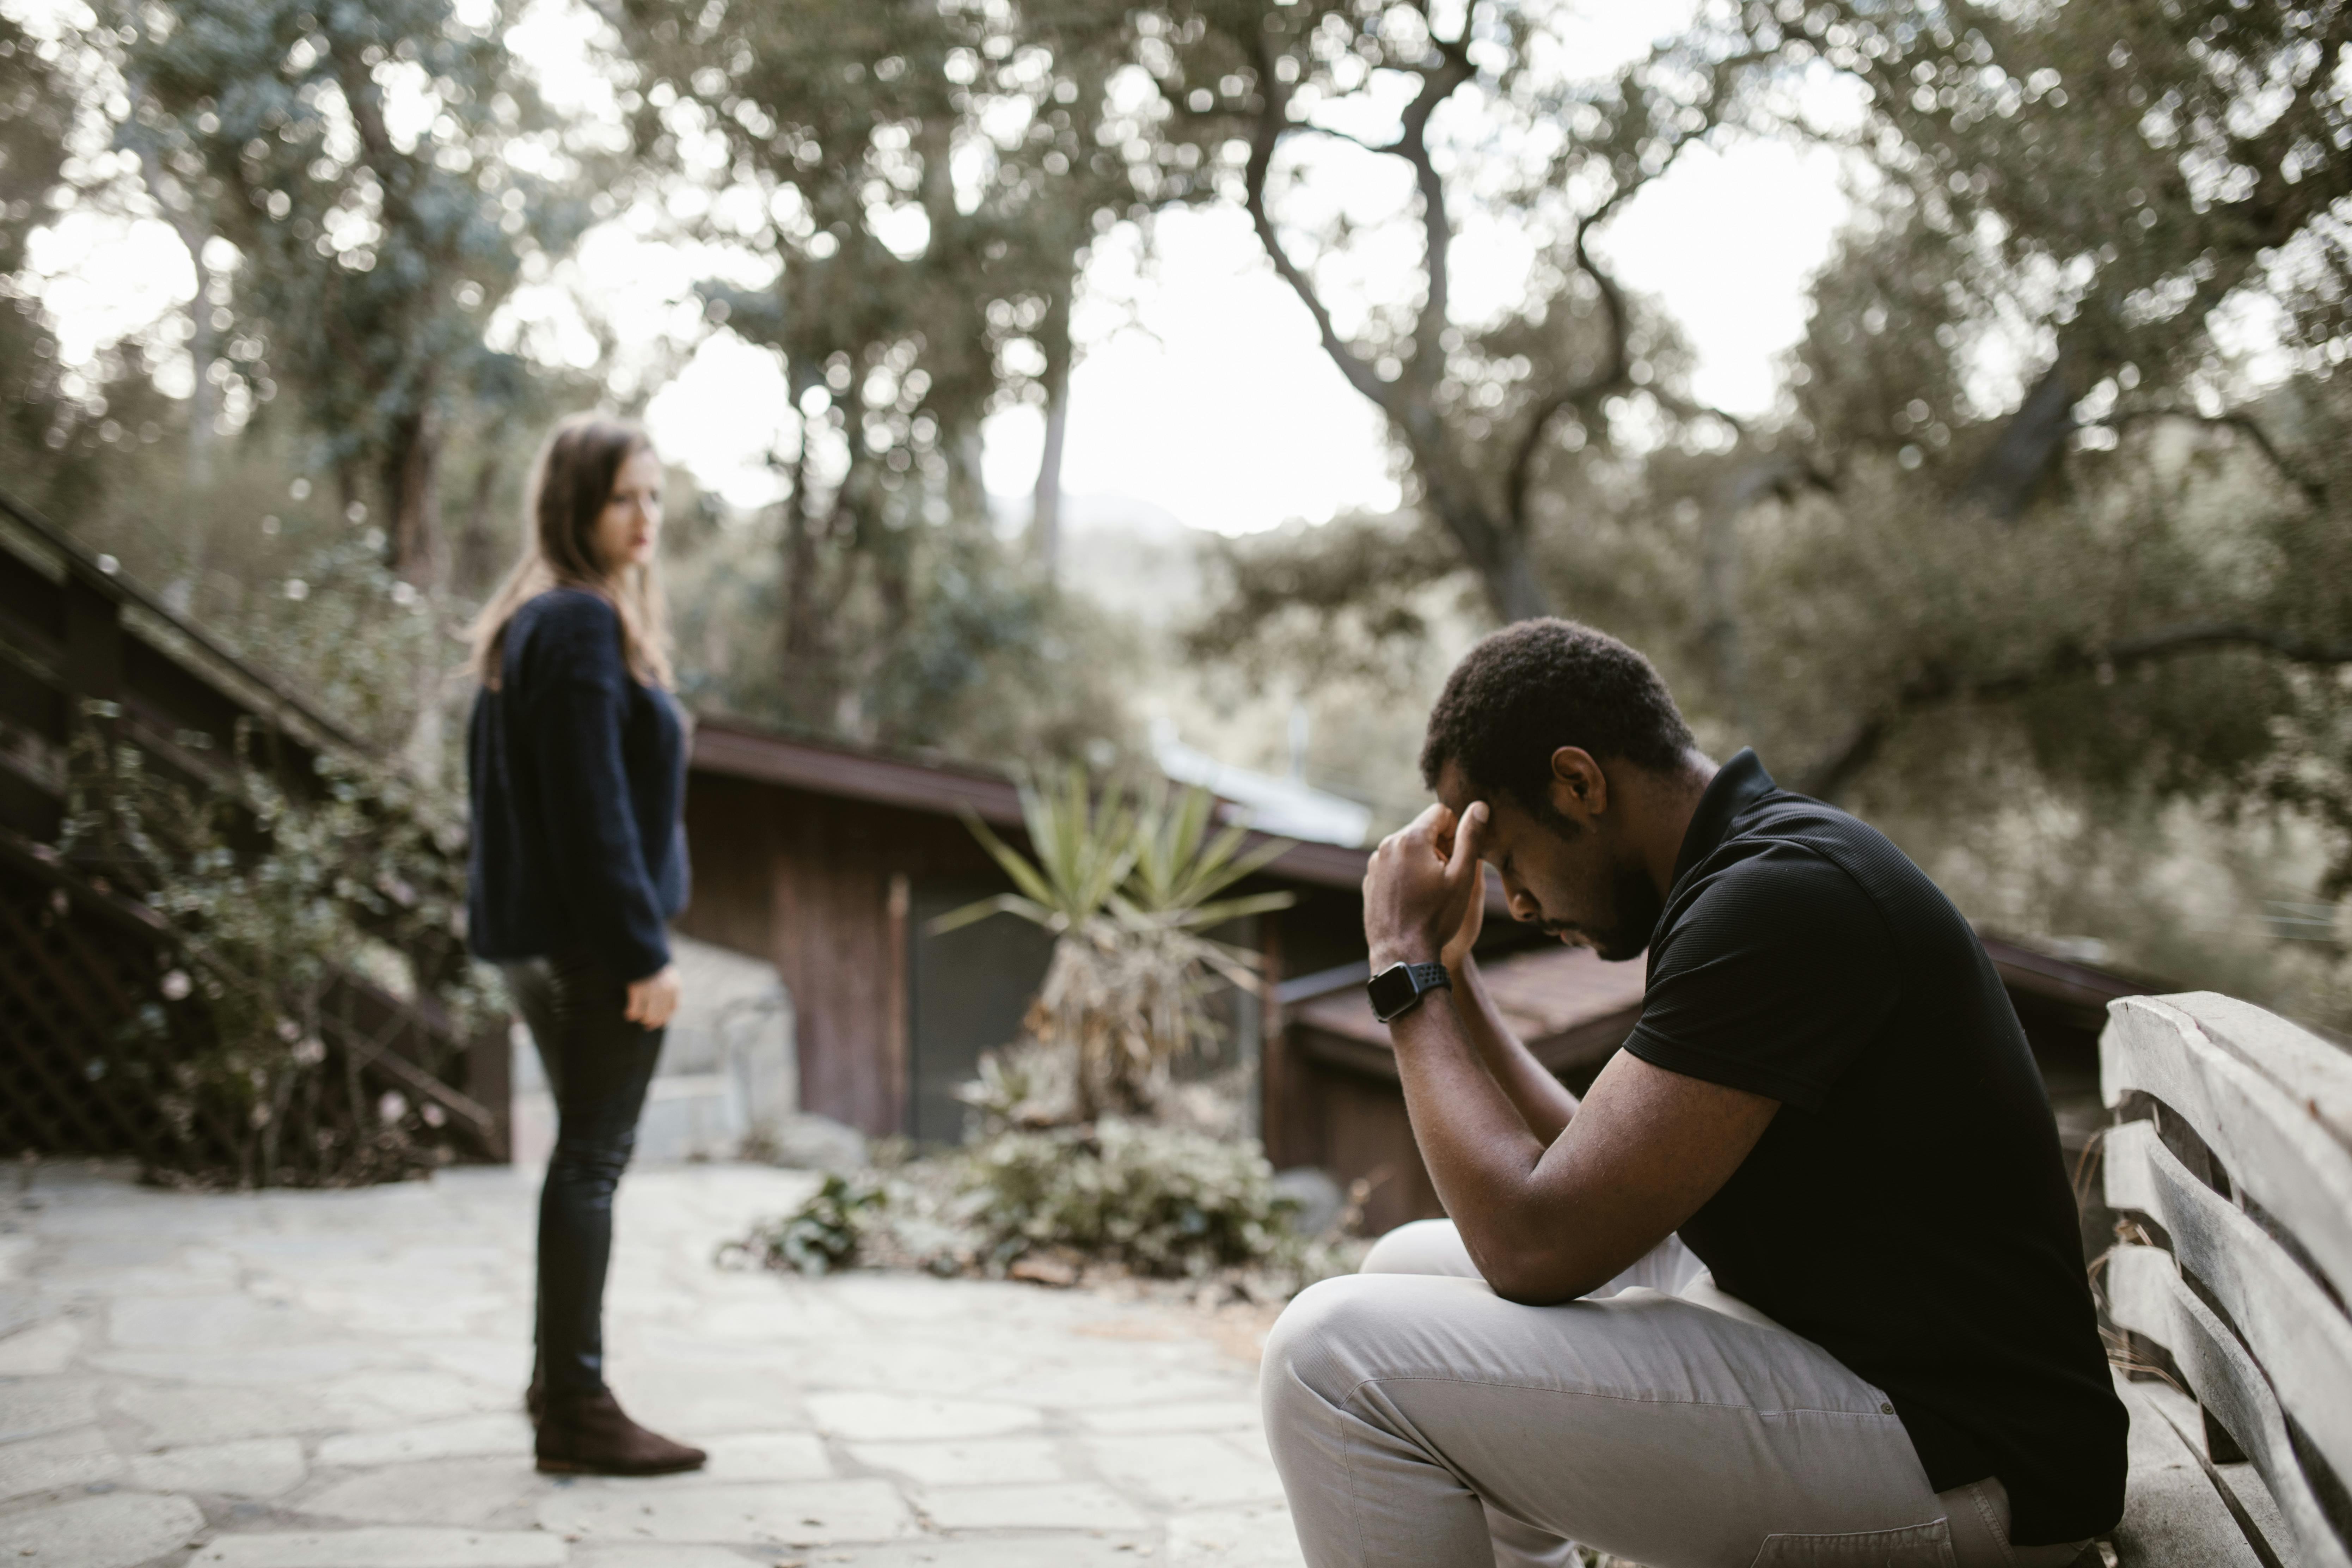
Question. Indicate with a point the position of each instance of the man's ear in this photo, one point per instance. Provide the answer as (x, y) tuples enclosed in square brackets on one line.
[(1580, 790)]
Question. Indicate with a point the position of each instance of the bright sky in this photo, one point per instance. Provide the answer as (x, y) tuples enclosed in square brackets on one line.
[(1201, 389)]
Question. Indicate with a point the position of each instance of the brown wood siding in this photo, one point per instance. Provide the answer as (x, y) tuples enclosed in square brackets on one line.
[(804, 880), (730, 846)]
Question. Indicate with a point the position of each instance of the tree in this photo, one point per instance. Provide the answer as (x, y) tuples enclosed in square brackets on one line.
[(2011, 144), (2136, 171), (385, 176), (2113, 595), (925, 183), (1472, 109), (54, 434)]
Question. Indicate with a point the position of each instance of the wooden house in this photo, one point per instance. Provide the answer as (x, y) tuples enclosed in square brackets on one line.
[(832, 862)]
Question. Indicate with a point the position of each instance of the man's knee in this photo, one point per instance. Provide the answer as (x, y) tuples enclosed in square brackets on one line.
[(1322, 1346), (1421, 1246)]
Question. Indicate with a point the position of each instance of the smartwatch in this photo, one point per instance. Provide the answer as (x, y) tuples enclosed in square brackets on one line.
[(1398, 989)]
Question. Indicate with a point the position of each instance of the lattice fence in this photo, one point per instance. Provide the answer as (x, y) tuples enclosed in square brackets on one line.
[(73, 1079)]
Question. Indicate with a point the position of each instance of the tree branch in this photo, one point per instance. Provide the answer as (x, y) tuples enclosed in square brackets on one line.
[(1615, 371), (1437, 229), (2028, 445), (1273, 122), (1939, 685), (2313, 490)]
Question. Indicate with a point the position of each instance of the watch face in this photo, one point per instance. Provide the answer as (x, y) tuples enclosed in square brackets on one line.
[(1391, 991)]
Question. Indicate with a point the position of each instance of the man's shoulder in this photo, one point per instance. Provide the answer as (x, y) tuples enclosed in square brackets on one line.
[(1771, 888), (1789, 856)]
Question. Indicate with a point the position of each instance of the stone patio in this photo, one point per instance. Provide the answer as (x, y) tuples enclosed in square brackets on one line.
[(330, 1380)]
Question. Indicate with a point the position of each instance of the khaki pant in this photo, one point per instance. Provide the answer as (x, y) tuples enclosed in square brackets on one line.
[(1420, 1421)]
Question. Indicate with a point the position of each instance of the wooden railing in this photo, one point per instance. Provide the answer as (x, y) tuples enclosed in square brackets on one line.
[(85, 651)]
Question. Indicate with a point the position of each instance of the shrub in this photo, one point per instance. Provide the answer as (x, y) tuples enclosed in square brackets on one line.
[(1128, 887), (1160, 1200), (271, 898), (823, 1234)]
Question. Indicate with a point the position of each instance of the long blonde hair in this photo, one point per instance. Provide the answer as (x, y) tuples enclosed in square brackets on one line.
[(570, 480)]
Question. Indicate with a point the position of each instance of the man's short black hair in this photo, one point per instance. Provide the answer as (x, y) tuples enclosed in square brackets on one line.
[(1536, 686)]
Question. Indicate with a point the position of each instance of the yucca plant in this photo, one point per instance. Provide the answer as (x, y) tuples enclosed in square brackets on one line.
[(1130, 886)]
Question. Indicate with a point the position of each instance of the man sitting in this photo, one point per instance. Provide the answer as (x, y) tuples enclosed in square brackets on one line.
[(1798, 1281)]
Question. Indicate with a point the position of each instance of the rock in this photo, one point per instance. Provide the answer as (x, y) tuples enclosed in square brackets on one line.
[(1051, 1268), (805, 1142), (1317, 1194), (109, 1532)]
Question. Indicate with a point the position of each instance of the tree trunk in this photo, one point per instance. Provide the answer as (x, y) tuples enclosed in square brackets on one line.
[(203, 398), (1719, 571), (416, 553), (203, 394), (800, 545), (967, 482), (477, 546), (805, 689), (412, 490), (2029, 446), (1045, 511), (1497, 553)]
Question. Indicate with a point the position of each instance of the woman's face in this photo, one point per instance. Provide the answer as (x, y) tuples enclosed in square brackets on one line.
[(629, 527)]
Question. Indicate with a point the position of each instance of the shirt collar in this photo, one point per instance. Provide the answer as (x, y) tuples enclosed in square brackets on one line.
[(1736, 785)]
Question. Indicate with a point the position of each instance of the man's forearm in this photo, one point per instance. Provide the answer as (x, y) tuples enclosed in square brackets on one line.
[(1543, 1102), (1481, 1154)]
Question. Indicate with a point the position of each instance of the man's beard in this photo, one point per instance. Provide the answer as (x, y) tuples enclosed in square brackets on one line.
[(1638, 907)]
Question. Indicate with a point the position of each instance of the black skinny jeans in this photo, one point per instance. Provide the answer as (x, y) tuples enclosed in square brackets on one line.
[(599, 1065)]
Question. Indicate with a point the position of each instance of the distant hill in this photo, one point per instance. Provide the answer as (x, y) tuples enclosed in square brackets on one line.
[(1136, 560)]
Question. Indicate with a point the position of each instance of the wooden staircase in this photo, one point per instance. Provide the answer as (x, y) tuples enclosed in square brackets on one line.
[(85, 652)]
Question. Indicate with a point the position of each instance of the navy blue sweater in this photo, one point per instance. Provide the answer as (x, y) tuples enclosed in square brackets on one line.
[(578, 775)]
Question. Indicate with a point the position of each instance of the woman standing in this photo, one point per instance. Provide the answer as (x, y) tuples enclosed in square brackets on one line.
[(577, 759)]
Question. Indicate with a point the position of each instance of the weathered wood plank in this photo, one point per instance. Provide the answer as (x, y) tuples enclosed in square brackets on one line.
[(2287, 1321), (2277, 1149), (2315, 1073), (2173, 1517), (2145, 1295)]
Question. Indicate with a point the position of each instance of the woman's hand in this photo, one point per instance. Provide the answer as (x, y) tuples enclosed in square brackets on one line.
[(653, 999)]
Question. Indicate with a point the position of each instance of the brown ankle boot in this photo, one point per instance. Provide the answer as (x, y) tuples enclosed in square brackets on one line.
[(588, 1434)]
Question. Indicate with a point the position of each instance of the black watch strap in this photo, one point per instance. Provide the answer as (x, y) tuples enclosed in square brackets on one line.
[(1428, 977), (1398, 989)]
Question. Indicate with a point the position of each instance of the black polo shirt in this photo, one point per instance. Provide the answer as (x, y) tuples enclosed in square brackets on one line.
[(1907, 1210)]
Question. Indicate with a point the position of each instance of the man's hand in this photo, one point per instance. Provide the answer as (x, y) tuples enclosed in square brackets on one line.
[(1421, 886), (653, 999), (1473, 913)]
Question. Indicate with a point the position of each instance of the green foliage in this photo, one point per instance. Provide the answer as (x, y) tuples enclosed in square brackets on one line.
[(1161, 1201), (2107, 603), (823, 1235), (55, 429), (1117, 1198), (272, 897), (1084, 847), (1147, 862), (974, 651), (344, 629), (385, 174), (930, 179)]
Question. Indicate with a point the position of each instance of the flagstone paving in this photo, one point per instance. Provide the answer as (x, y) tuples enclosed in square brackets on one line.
[(330, 1380)]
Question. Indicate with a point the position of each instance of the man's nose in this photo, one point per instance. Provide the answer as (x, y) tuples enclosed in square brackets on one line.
[(1524, 907)]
